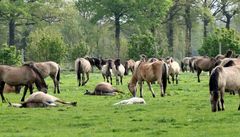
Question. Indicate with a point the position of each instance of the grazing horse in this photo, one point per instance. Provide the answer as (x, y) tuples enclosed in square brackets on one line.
[(185, 64), (107, 71), (51, 69), (173, 70), (25, 75), (149, 72), (223, 78), (103, 89), (129, 65), (40, 99), (118, 70), (204, 64), (82, 67)]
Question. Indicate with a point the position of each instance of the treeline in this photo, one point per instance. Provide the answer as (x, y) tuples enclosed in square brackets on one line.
[(61, 30)]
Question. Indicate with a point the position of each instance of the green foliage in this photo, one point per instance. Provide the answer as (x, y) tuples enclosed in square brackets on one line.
[(229, 39), (76, 51), (46, 45), (141, 44), (10, 55)]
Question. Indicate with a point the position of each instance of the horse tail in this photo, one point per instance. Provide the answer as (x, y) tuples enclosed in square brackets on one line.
[(126, 68), (182, 66), (58, 74), (164, 76), (78, 70), (229, 63), (213, 82)]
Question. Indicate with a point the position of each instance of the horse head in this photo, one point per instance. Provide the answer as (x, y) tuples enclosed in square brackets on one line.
[(126, 68), (117, 63), (132, 88), (97, 63), (214, 100)]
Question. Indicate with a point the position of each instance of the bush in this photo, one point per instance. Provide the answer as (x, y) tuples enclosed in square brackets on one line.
[(141, 44), (76, 51), (46, 46), (10, 55), (229, 39)]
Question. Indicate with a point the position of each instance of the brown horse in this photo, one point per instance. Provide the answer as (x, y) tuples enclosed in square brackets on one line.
[(51, 69), (103, 89), (82, 67), (25, 75), (149, 72), (129, 65), (204, 64), (185, 64), (228, 54), (223, 78)]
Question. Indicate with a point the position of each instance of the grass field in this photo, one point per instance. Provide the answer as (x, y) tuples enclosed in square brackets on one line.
[(185, 112)]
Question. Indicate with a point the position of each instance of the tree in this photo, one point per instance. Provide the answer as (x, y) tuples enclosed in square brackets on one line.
[(9, 55), (229, 39)]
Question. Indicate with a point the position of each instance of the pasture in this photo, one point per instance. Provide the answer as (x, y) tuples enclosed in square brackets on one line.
[(184, 112)]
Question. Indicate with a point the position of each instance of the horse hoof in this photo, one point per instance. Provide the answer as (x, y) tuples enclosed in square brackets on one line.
[(153, 95), (162, 95)]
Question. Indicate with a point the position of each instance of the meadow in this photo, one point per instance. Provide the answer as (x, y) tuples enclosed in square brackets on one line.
[(184, 112)]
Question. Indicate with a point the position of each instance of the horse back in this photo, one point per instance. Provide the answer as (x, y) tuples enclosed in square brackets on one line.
[(82, 65), (150, 71), (231, 77)]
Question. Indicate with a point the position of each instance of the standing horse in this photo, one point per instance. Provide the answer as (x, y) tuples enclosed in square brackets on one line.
[(204, 64), (107, 71), (185, 64), (118, 70), (149, 72), (173, 70), (95, 62), (82, 67), (129, 65), (51, 69), (25, 75), (223, 78)]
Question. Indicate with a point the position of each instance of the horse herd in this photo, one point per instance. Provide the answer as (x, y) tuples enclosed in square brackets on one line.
[(224, 75)]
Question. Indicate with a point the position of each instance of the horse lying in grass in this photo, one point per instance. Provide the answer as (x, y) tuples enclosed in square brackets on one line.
[(134, 100), (25, 75), (104, 89), (223, 78), (149, 72), (40, 99)]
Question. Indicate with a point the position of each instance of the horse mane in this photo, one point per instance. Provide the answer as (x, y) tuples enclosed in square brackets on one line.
[(31, 65), (229, 54), (117, 63), (213, 82), (229, 63)]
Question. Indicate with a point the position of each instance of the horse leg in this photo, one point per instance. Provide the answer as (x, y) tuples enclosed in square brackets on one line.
[(80, 80), (87, 74), (172, 78), (221, 98), (140, 85), (103, 77), (239, 103), (121, 79), (24, 93), (150, 88), (176, 78), (168, 80), (111, 79), (198, 75), (1, 91)]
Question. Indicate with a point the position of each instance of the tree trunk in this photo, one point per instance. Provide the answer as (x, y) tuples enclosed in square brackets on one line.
[(11, 32), (153, 31), (228, 21), (117, 35), (205, 20), (188, 30), (170, 36)]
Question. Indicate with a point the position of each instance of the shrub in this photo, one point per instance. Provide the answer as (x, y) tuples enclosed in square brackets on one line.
[(10, 55)]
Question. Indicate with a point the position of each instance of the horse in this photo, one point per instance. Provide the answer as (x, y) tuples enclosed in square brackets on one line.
[(149, 72), (191, 62), (185, 64), (104, 89), (173, 70), (52, 69), (129, 65), (118, 70), (204, 64), (82, 67), (229, 54), (95, 62), (40, 99), (223, 78), (25, 75), (107, 71)]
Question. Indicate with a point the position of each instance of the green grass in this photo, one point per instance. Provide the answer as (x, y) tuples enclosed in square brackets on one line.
[(185, 112)]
